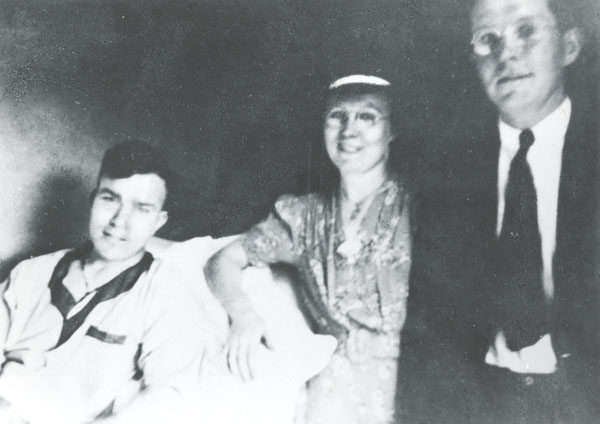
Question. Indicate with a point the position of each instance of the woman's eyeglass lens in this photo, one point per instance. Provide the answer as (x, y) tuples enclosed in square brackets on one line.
[(363, 120)]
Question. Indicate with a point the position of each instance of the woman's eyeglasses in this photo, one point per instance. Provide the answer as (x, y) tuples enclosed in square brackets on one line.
[(339, 118), (524, 33)]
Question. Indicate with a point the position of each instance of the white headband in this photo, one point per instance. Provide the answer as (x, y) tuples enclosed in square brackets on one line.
[(359, 79)]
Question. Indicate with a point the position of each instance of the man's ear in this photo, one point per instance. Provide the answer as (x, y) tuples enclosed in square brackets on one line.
[(92, 196), (572, 44), (393, 140), (163, 217)]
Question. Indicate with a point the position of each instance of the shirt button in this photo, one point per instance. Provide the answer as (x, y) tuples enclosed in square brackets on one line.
[(529, 380)]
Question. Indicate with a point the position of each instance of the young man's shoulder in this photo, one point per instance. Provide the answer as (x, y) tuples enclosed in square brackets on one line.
[(37, 263)]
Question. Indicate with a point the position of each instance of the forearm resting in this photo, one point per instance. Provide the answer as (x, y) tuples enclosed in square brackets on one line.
[(224, 276)]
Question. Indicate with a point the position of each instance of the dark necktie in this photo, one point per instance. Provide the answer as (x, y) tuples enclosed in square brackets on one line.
[(525, 318)]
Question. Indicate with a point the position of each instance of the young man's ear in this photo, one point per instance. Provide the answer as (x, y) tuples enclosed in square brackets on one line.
[(572, 45), (93, 196), (163, 217)]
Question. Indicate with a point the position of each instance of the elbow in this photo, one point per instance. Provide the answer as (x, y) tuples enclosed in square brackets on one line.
[(227, 261), (212, 269)]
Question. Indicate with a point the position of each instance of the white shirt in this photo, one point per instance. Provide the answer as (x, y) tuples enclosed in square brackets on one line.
[(155, 326), (544, 159)]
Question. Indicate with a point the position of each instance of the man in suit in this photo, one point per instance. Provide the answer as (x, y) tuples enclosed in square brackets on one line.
[(504, 296)]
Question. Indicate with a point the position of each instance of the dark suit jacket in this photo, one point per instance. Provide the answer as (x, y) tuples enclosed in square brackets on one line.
[(452, 313)]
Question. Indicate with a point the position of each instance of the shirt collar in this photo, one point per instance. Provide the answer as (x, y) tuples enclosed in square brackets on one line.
[(553, 127)]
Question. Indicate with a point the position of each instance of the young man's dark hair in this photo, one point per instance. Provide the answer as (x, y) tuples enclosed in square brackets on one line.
[(133, 157)]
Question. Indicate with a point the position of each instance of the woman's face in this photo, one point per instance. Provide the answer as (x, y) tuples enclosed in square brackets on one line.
[(358, 132)]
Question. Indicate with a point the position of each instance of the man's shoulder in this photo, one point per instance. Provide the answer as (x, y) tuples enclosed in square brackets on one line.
[(165, 283), (584, 115), (171, 296), (40, 261), (30, 276)]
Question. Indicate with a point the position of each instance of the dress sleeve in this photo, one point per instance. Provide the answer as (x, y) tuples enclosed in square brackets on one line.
[(279, 237)]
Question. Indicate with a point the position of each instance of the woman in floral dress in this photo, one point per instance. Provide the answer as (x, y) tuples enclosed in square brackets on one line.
[(352, 246)]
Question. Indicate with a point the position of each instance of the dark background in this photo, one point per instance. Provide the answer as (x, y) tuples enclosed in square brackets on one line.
[(231, 90)]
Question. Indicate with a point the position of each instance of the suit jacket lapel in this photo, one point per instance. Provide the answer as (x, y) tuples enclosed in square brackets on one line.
[(575, 236)]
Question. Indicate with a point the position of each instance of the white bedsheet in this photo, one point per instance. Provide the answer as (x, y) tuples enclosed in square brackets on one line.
[(299, 355)]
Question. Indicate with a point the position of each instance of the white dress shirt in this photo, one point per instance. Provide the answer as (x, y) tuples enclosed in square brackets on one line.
[(544, 159)]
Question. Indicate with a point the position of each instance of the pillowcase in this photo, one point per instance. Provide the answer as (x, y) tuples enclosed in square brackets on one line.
[(280, 374)]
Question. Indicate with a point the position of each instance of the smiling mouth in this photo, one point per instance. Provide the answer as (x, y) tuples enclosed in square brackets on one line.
[(512, 78), (348, 149)]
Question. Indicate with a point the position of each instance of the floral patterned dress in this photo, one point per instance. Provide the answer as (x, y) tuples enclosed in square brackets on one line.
[(354, 289)]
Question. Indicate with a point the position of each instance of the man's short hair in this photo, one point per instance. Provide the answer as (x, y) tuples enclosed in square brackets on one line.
[(566, 13), (133, 157)]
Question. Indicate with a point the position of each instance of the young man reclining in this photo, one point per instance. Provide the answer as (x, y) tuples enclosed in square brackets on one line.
[(92, 334)]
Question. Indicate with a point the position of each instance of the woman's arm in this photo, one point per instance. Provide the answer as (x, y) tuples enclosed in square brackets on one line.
[(248, 330)]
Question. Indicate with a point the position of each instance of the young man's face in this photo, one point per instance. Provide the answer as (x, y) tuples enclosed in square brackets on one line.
[(523, 70), (125, 214)]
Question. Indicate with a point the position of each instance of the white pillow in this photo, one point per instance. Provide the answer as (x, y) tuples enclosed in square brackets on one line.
[(280, 374)]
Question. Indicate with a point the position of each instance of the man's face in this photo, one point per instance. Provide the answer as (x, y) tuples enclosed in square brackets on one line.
[(358, 133), (125, 214), (524, 70)]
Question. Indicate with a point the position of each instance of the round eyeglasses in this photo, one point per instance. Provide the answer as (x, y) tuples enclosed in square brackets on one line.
[(522, 33), (339, 118)]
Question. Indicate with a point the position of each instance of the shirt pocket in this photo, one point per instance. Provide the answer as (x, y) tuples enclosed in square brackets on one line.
[(105, 336), (110, 359), (93, 368)]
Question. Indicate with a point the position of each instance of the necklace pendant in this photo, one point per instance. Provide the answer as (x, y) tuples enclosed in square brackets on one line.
[(350, 249)]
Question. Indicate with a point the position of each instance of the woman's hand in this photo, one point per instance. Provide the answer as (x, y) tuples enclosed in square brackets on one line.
[(248, 330)]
